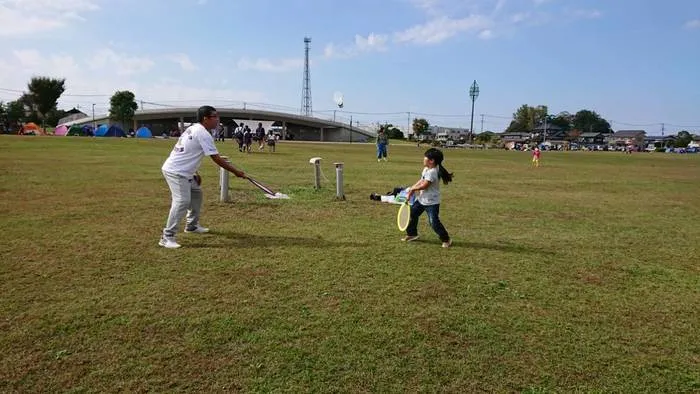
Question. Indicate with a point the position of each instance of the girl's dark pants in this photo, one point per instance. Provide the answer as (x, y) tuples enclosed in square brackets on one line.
[(433, 212)]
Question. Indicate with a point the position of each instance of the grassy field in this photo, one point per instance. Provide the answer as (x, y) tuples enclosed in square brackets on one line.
[(580, 276)]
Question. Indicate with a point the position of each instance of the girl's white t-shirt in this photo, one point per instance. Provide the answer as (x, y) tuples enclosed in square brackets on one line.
[(431, 195)]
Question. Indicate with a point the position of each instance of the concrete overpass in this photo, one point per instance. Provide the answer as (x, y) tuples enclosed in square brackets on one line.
[(291, 126)]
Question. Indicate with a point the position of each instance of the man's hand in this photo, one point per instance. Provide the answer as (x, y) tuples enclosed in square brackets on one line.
[(198, 178), (239, 174)]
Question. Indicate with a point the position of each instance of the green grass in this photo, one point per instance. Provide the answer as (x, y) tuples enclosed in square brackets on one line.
[(579, 276)]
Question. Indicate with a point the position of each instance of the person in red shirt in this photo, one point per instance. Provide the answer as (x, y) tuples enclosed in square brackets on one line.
[(536, 157)]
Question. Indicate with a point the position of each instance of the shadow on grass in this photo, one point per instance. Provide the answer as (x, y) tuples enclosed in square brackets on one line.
[(503, 247), (247, 240)]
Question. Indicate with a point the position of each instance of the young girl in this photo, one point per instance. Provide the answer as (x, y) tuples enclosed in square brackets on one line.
[(536, 157), (428, 199)]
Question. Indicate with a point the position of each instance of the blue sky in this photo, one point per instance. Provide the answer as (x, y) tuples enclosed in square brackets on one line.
[(637, 63)]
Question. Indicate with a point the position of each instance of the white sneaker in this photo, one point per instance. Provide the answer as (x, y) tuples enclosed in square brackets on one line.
[(168, 243), (197, 229)]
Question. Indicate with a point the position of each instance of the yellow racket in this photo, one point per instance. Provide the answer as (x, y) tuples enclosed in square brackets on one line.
[(404, 216)]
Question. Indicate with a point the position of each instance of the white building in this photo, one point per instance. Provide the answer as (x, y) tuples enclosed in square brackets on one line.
[(448, 133)]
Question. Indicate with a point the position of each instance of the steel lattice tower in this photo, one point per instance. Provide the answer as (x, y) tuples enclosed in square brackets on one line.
[(306, 109)]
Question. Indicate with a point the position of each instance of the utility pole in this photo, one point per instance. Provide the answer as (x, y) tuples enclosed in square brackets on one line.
[(94, 126), (408, 125), (473, 93), (482, 123)]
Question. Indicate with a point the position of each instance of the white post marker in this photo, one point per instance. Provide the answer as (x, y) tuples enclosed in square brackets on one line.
[(316, 161), (339, 194), (223, 183)]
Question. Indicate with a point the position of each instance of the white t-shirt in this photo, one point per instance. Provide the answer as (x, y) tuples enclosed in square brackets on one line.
[(187, 154), (431, 195)]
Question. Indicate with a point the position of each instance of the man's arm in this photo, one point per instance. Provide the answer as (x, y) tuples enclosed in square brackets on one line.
[(227, 166)]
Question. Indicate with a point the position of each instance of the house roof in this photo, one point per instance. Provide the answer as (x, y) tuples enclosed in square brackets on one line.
[(590, 134), (75, 111), (629, 133), (661, 137)]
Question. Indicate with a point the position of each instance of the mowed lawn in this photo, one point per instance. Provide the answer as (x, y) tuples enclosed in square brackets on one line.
[(579, 276)]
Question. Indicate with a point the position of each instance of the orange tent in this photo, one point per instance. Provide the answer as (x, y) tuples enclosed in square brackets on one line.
[(31, 127)]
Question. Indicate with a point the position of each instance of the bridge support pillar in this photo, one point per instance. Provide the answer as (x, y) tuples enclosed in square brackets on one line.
[(181, 124), (321, 139)]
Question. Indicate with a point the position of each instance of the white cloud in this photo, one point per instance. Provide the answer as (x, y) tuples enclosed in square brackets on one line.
[(586, 14), (485, 34), (91, 81), (26, 17), (520, 17), (540, 2), (184, 61), (440, 29), (275, 65), (692, 24), (429, 6), (28, 57), (372, 43), (120, 63)]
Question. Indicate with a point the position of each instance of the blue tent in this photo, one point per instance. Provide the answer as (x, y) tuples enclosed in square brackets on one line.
[(101, 131), (112, 131), (144, 132)]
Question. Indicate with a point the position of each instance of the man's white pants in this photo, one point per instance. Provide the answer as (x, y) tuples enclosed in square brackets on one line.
[(186, 199)]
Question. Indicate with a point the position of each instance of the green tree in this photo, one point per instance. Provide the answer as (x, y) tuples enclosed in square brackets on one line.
[(54, 116), (42, 96), (486, 137), (122, 107), (683, 138), (590, 122), (420, 126), (526, 118), (16, 112), (563, 120), (392, 132)]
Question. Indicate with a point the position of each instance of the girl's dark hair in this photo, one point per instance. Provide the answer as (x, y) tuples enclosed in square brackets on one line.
[(204, 111), (437, 156)]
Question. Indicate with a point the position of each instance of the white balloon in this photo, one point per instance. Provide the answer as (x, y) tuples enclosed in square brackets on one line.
[(338, 98)]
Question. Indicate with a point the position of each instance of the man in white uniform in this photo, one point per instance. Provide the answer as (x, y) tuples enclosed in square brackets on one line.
[(180, 172)]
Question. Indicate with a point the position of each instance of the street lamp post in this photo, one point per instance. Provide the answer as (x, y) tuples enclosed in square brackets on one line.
[(473, 93)]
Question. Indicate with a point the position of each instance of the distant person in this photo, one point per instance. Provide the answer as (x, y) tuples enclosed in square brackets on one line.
[(536, 153), (260, 135), (382, 142), (428, 199), (238, 136), (271, 141), (180, 172), (247, 138), (221, 133)]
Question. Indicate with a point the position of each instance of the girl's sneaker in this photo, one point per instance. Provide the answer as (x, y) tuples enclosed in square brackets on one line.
[(447, 244), (409, 238)]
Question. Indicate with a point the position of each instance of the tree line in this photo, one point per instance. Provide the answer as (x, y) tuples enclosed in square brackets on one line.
[(527, 118), (39, 104)]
